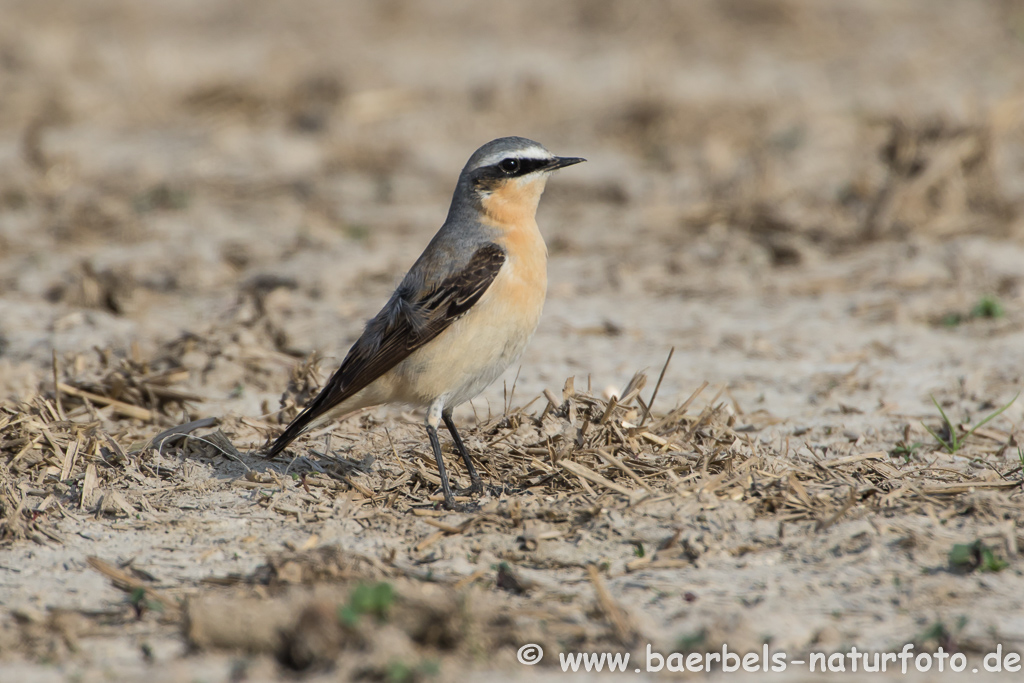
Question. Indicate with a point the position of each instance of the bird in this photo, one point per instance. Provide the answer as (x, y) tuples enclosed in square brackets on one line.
[(463, 313)]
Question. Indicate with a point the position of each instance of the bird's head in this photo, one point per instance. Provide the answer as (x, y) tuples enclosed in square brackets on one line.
[(505, 178)]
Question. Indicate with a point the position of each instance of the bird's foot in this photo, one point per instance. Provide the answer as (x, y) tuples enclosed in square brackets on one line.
[(498, 490), (475, 489), (452, 506)]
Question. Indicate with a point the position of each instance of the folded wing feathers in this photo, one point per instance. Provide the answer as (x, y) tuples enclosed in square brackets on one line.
[(403, 326)]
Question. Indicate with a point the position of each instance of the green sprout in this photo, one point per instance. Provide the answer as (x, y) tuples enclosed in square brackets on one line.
[(955, 441), (905, 450), (967, 557), (375, 599), (988, 307)]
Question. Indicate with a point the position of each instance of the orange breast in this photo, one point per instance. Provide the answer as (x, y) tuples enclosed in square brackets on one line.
[(512, 210)]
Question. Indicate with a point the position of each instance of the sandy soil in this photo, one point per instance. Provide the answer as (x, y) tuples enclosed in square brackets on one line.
[(816, 205)]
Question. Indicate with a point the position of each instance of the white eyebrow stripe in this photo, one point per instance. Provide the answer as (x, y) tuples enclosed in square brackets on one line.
[(538, 153)]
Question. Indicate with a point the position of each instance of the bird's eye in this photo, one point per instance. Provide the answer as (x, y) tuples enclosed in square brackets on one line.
[(509, 166)]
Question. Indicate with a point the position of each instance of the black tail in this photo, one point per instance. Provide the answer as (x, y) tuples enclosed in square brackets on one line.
[(315, 409)]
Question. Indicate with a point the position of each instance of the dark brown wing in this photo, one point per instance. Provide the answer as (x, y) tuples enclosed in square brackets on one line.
[(405, 324)]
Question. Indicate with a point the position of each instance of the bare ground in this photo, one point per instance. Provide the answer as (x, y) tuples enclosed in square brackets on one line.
[(817, 206)]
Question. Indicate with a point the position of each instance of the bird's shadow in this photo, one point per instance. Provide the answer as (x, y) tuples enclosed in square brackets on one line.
[(195, 442)]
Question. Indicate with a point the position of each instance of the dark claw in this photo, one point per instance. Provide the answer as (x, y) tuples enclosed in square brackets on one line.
[(474, 489), (463, 507)]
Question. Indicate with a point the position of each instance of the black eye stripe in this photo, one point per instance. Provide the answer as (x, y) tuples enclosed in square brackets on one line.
[(530, 165), (512, 166), (486, 178)]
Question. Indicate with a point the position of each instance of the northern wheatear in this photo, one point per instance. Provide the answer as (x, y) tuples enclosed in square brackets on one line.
[(465, 310)]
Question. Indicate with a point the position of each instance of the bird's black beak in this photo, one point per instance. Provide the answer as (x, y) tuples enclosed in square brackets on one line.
[(562, 162)]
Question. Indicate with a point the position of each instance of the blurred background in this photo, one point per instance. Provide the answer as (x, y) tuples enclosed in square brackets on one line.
[(818, 205), (258, 175)]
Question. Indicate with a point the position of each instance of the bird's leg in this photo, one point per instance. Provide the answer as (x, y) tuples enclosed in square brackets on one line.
[(434, 413), (449, 500), (477, 486)]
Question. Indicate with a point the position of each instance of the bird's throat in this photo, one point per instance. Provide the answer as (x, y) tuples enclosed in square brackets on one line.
[(514, 203)]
